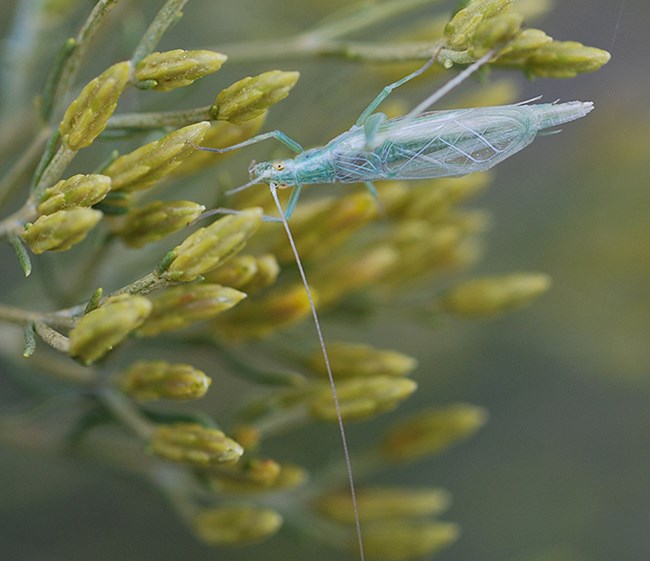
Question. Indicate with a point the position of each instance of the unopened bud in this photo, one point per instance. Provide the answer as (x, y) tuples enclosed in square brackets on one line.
[(565, 59), (176, 69), (195, 444), (157, 379), (99, 331), (251, 96), (461, 28), (61, 230), (432, 431), (354, 360), (77, 191), (156, 220), (236, 525), (181, 306), (494, 32), (87, 115)]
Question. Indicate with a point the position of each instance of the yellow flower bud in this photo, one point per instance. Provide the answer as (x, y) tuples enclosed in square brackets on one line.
[(403, 541), (516, 52), (489, 296), (494, 32), (87, 115), (209, 247), (195, 444), (154, 161), (247, 272), (236, 525), (99, 331), (157, 379), (61, 230), (253, 476), (156, 220), (354, 360), (384, 503), (77, 191), (361, 398), (565, 59), (432, 431), (251, 96), (461, 28), (181, 306), (178, 68)]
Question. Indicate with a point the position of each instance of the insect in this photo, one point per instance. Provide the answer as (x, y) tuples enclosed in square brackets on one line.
[(419, 145)]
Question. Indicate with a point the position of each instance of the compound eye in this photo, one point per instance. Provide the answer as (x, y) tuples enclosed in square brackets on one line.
[(278, 166)]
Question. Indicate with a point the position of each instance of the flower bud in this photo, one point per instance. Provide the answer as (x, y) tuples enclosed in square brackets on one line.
[(460, 29), (87, 115), (251, 96), (403, 541), (146, 380), (61, 230), (156, 220), (432, 431), (176, 69), (77, 191), (495, 32), (361, 398), (99, 331), (195, 444), (354, 360), (154, 161), (565, 59), (181, 306), (384, 503), (489, 296), (236, 525), (247, 272), (209, 247)]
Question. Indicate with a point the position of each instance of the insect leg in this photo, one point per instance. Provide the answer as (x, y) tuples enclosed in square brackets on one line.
[(293, 200), (278, 135), (370, 127), (390, 87)]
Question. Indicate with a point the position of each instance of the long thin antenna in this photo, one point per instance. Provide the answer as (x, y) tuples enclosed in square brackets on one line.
[(330, 375)]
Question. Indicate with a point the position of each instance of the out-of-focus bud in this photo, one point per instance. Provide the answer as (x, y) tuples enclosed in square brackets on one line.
[(87, 115), (432, 431), (251, 96), (247, 272), (176, 69), (61, 230), (494, 32), (361, 398), (156, 220), (195, 444), (489, 296), (181, 306), (157, 379), (354, 360), (460, 29), (99, 331), (209, 247), (565, 59), (77, 191), (236, 524)]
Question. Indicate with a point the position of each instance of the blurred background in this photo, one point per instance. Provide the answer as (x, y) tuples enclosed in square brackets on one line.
[(561, 471)]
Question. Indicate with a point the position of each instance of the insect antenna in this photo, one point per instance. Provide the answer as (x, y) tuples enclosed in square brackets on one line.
[(328, 367)]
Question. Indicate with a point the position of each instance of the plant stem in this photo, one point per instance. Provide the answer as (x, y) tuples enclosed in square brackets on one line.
[(169, 14), (174, 119)]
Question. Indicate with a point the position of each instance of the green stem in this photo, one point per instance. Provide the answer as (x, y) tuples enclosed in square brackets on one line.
[(14, 223), (52, 337), (172, 119), (126, 412), (54, 169), (169, 14)]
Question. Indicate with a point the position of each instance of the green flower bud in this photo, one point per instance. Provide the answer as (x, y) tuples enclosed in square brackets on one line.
[(209, 247), (77, 191), (432, 431), (87, 115), (177, 69), (180, 306), (516, 52), (461, 28), (565, 59), (494, 32), (236, 525), (195, 444), (251, 96), (156, 220), (403, 541), (361, 398), (154, 161), (384, 503), (99, 331), (354, 360), (157, 379), (489, 296), (247, 272), (61, 230)]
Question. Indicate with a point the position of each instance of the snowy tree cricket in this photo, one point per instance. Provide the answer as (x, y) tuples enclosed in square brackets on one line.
[(418, 145)]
